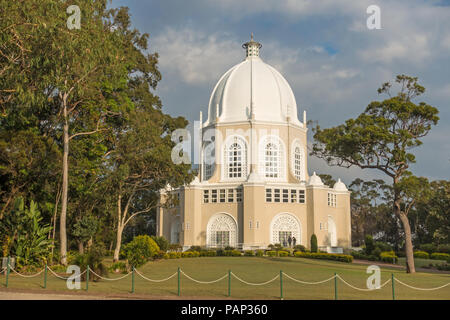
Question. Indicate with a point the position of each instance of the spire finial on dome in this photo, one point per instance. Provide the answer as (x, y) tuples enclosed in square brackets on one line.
[(252, 47)]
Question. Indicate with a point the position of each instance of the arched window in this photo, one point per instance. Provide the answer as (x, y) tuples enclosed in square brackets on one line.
[(235, 158), (298, 161), (271, 158), (175, 230), (221, 231), (283, 226), (332, 234)]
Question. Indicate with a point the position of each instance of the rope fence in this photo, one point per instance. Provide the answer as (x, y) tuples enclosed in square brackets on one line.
[(6, 271)]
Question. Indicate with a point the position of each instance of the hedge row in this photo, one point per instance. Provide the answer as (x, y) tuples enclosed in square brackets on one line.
[(388, 256), (324, 256)]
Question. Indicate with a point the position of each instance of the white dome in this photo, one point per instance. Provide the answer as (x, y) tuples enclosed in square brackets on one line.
[(252, 86), (315, 180), (339, 186)]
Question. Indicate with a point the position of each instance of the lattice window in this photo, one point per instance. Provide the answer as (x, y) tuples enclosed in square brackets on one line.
[(214, 196), (293, 195), (276, 195), (331, 199), (301, 196), (222, 195), (221, 231), (285, 195), (230, 194), (271, 158), (298, 163), (285, 225), (268, 195), (236, 159), (239, 194), (205, 196)]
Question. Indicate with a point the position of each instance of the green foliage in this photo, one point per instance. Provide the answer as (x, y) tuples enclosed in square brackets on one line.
[(388, 256), (94, 259), (421, 254), (118, 266), (25, 235), (440, 256), (85, 228), (283, 253), (428, 247), (162, 242), (324, 256), (299, 247), (370, 246), (443, 248), (172, 255), (259, 253), (249, 253), (314, 247), (271, 253), (190, 254), (140, 250), (208, 253)]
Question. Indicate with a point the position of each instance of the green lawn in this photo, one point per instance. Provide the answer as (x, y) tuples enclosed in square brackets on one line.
[(419, 263), (253, 269)]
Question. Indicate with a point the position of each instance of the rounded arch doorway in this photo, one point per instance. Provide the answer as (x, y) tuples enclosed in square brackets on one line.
[(175, 229), (221, 231), (283, 226)]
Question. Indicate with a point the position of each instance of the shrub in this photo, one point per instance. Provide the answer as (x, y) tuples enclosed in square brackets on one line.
[(283, 254), (443, 248), (174, 247), (190, 254), (370, 246), (118, 266), (314, 247), (162, 242), (259, 253), (195, 248), (299, 247), (428, 247), (388, 256), (94, 259), (324, 256), (421, 254), (208, 253), (271, 253), (172, 255), (140, 250), (232, 253), (443, 267), (376, 252), (249, 253), (440, 256), (229, 248), (383, 246)]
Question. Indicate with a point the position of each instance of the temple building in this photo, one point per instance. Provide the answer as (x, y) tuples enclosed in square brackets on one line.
[(253, 187)]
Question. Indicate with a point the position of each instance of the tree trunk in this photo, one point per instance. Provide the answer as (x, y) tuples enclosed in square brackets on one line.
[(119, 229), (118, 243), (80, 247), (65, 183), (410, 268)]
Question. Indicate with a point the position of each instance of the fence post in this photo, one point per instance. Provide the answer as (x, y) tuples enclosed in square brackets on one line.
[(178, 281), (229, 283), (7, 271), (87, 278), (335, 287), (132, 280), (393, 286), (45, 276), (281, 285)]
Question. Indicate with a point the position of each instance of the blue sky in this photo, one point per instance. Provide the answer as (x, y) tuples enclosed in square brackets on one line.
[(332, 61)]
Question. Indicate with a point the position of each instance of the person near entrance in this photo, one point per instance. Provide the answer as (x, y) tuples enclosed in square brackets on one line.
[(294, 241), (289, 240)]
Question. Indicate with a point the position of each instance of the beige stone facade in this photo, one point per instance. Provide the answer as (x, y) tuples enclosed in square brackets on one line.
[(253, 187)]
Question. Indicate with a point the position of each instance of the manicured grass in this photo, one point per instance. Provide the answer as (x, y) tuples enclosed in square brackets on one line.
[(256, 270)]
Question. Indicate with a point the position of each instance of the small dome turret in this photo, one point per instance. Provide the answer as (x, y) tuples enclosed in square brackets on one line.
[(315, 181), (339, 186)]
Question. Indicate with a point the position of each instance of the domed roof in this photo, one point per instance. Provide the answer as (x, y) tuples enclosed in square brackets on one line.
[(315, 180), (252, 89), (339, 186)]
